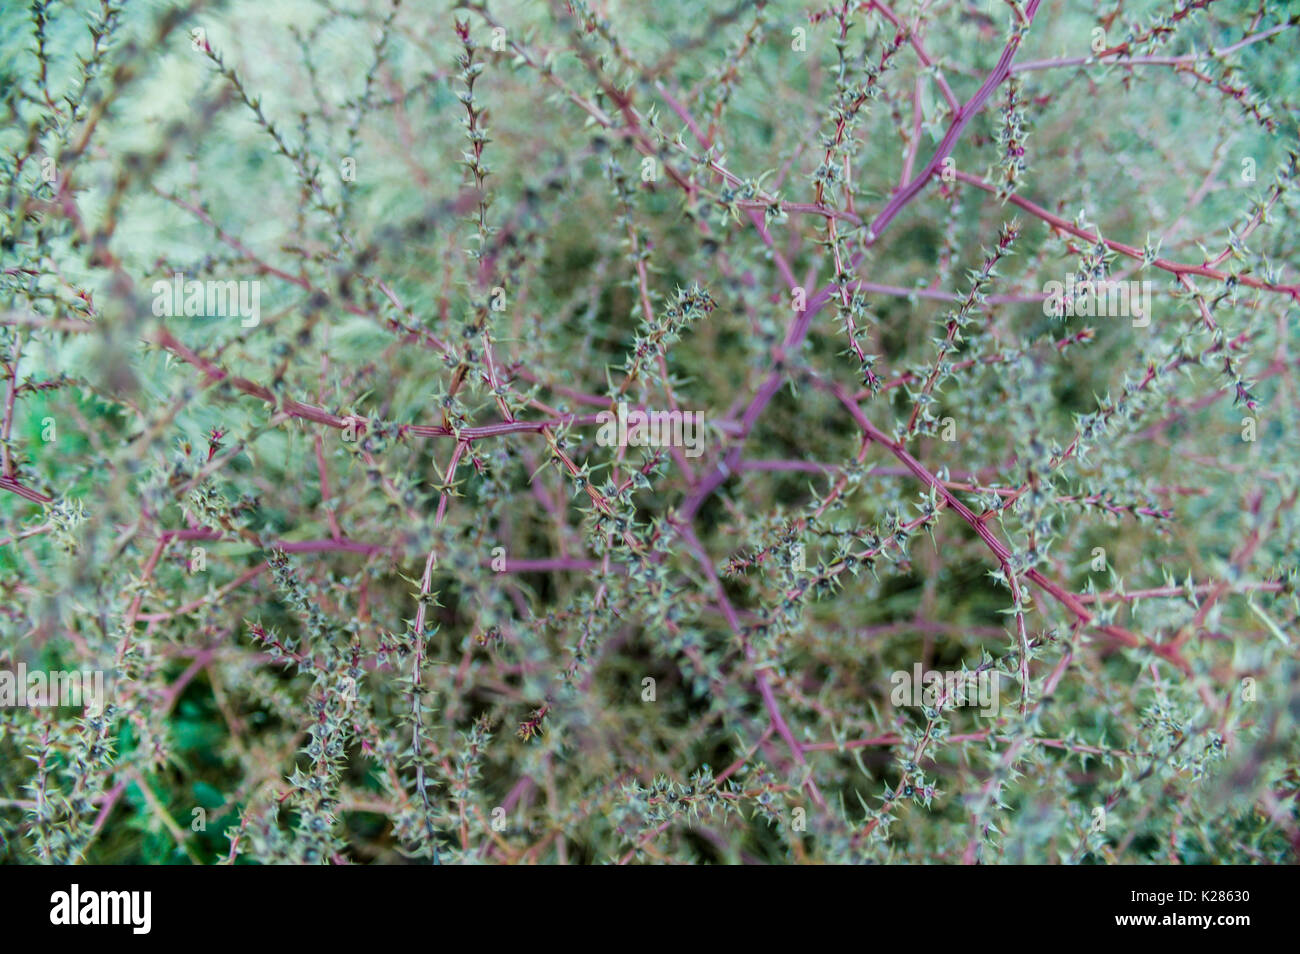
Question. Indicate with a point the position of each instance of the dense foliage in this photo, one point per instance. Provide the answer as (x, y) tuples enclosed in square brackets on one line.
[(368, 582)]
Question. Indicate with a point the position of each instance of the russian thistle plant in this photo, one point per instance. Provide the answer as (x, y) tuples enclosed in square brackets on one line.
[(315, 320)]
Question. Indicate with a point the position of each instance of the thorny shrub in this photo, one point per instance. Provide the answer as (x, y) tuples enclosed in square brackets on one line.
[(363, 581)]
